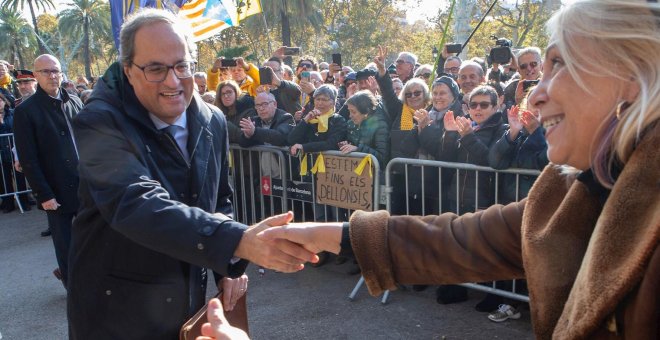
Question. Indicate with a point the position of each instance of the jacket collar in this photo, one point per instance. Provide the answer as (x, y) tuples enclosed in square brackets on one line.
[(42, 94)]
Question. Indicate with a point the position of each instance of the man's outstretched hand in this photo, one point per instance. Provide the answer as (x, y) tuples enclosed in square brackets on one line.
[(278, 254)]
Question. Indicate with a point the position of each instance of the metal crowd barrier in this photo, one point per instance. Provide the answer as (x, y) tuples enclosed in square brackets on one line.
[(493, 178), (261, 191), (12, 183)]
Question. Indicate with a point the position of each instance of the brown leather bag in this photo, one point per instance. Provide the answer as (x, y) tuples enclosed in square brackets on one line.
[(237, 318)]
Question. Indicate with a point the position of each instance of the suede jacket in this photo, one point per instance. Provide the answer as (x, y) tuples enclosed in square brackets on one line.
[(592, 268)]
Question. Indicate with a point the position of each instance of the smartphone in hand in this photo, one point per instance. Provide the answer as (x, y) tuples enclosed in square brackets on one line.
[(228, 62), (265, 76)]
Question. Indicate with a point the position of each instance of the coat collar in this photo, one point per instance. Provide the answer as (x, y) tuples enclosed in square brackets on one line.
[(582, 261)]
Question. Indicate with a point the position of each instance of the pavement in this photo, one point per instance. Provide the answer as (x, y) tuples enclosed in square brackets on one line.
[(311, 304)]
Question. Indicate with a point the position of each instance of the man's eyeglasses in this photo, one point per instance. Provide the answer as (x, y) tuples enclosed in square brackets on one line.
[(533, 64), (414, 94), (452, 69), (483, 105), (262, 105), (49, 73), (425, 75), (156, 73), (401, 61)]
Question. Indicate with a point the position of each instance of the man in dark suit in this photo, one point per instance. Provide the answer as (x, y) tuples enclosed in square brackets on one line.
[(46, 148), (154, 194)]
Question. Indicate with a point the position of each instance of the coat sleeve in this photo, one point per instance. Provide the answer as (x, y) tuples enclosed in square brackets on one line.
[(534, 151), (442, 249), (335, 134), (393, 105), (25, 136), (114, 172), (212, 79), (503, 152), (381, 144)]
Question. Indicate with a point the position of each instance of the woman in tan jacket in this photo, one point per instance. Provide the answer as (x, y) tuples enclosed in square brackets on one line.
[(586, 238)]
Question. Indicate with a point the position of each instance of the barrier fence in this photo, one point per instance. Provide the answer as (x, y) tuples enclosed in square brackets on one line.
[(412, 186), (13, 185)]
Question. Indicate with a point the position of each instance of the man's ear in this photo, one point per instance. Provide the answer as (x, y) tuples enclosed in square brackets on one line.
[(127, 73)]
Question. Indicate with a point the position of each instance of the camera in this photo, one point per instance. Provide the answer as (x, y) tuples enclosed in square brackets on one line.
[(291, 50), (228, 62), (454, 48), (527, 84), (502, 53), (265, 76)]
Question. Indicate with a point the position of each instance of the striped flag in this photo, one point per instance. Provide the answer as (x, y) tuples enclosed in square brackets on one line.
[(119, 9), (209, 17), (246, 8)]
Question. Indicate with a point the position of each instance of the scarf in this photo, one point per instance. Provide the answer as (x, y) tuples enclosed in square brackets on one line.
[(322, 121), (406, 118), (5, 81)]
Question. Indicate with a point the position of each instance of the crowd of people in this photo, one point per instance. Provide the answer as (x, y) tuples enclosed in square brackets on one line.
[(146, 147)]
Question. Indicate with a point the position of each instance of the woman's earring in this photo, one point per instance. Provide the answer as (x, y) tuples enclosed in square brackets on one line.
[(621, 108)]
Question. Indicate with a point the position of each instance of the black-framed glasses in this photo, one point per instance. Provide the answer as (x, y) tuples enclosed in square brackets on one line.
[(49, 73), (483, 105), (262, 105), (454, 69), (401, 61), (156, 73), (307, 65), (533, 64), (425, 75), (414, 94)]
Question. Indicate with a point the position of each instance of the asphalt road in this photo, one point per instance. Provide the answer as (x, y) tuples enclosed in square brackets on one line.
[(311, 304)]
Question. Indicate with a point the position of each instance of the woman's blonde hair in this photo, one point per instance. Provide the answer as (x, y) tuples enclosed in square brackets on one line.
[(623, 40)]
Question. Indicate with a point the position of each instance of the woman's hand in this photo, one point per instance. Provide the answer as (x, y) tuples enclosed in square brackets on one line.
[(295, 148), (233, 290), (315, 237), (464, 126), (373, 85), (379, 60), (240, 62), (351, 89), (530, 121), (347, 148), (449, 122), (311, 115), (422, 118), (307, 87), (514, 122), (297, 116)]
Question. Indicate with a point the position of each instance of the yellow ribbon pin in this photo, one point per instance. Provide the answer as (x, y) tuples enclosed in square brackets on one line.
[(230, 159), (360, 168), (303, 165), (319, 165)]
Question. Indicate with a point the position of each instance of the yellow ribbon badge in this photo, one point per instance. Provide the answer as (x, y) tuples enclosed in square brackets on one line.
[(364, 162), (319, 165), (303, 165)]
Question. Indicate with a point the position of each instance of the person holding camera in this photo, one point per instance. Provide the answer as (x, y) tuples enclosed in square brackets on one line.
[(287, 93), (529, 68), (245, 74)]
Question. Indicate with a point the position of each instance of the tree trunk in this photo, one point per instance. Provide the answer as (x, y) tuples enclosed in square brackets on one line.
[(18, 53), (86, 56), (42, 48), (286, 35)]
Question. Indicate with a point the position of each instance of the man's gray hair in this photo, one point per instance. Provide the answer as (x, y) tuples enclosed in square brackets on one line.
[(326, 90), (200, 75), (408, 57), (529, 50), (468, 63), (145, 17), (270, 96)]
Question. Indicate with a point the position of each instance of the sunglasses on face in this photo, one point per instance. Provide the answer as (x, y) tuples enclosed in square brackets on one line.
[(425, 75), (413, 94), (309, 66), (483, 105), (533, 64)]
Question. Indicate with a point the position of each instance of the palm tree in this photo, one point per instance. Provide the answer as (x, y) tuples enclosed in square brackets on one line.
[(15, 34), (88, 18), (14, 5)]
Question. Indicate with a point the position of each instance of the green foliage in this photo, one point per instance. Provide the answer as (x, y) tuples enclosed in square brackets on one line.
[(17, 43)]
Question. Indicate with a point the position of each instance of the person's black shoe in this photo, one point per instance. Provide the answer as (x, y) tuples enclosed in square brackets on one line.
[(45, 233), (489, 303), (419, 288)]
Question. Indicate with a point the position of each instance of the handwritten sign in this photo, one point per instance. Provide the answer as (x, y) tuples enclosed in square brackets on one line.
[(339, 186)]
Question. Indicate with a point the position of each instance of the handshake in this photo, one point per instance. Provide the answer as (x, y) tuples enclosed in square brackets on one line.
[(279, 245)]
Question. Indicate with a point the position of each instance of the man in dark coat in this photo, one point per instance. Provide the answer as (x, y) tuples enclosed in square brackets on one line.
[(48, 154), (154, 194)]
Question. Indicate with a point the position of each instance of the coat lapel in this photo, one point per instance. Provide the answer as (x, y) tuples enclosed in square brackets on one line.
[(200, 142), (620, 248)]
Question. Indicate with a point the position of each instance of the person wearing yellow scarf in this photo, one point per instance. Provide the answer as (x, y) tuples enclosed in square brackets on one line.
[(322, 121), (5, 81), (407, 113)]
